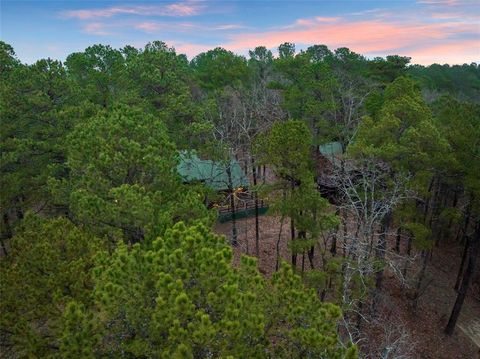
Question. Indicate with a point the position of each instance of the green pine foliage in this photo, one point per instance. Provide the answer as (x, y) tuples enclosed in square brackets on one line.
[(49, 265), (181, 297), (122, 176)]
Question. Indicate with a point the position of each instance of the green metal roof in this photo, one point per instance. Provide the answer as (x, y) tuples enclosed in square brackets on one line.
[(214, 174), (331, 149)]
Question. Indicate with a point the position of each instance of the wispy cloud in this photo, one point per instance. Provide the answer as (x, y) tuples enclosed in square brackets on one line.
[(96, 28), (156, 26), (440, 2), (181, 9)]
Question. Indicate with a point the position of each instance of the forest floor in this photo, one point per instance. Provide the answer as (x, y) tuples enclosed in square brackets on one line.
[(424, 324)]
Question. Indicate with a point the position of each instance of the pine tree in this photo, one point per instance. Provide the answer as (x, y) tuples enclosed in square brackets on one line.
[(122, 177), (48, 267), (181, 297)]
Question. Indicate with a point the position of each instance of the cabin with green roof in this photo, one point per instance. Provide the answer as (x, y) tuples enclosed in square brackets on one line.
[(331, 150), (213, 174)]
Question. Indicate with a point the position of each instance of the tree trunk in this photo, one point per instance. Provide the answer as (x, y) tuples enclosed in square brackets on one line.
[(462, 291), (462, 264), (277, 245), (234, 240), (420, 279), (409, 251), (399, 237), (380, 256), (311, 254), (463, 229), (382, 246), (257, 225), (7, 233), (292, 238), (18, 207), (344, 223), (450, 222), (427, 202)]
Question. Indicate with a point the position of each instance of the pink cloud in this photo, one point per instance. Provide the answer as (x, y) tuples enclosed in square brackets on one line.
[(96, 28), (326, 19), (189, 8), (183, 9), (153, 26), (189, 49), (228, 27), (370, 37), (458, 52), (148, 26), (440, 2)]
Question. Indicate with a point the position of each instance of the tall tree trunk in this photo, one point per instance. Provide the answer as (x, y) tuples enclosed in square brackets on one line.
[(427, 202), (311, 253), (277, 245), (292, 238), (409, 251), (354, 248), (18, 206), (292, 234), (399, 237), (333, 248), (450, 222), (420, 278), (257, 225), (380, 256), (462, 263), (234, 240), (462, 291), (7, 233), (359, 316), (439, 228), (462, 230), (344, 223)]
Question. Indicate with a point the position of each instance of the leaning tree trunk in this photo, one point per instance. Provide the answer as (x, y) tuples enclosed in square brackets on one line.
[(277, 245), (462, 290), (462, 264)]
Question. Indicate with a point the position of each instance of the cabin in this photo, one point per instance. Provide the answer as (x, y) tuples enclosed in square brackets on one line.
[(215, 175), (328, 158)]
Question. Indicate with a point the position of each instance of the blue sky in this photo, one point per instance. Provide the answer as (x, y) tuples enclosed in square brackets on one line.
[(442, 31)]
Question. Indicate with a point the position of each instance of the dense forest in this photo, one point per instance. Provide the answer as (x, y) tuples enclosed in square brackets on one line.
[(107, 251)]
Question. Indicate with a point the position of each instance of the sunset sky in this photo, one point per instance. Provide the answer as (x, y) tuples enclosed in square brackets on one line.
[(430, 31)]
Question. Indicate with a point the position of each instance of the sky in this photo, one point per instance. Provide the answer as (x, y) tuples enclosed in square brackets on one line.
[(429, 31)]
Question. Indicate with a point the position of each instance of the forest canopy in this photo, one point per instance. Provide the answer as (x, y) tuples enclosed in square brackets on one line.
[(106, 251)]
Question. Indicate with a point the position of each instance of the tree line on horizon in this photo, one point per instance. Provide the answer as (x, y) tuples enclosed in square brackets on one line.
[(106, 253)]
